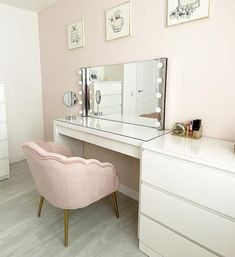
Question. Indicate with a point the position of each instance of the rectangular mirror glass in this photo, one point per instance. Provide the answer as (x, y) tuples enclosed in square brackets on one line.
[(131, 93)]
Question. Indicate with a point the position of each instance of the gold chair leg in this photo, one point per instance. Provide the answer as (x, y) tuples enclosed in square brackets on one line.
[(40, 206), (66, 228), (115, 204)]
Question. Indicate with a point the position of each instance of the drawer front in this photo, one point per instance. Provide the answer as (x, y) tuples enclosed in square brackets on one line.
[(167, 243), (207, 229), (3, 149), (2, 112), (3, 130), (4, 168), (204, 185), (2, 95)]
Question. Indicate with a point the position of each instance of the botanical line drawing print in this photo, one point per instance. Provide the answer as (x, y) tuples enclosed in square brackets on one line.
[(116, 21), (185, 9)]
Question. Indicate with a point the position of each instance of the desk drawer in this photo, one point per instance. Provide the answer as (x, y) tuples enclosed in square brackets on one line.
[(205, 228), (207, 186), (167, 243), (3, 130), (3, 149)]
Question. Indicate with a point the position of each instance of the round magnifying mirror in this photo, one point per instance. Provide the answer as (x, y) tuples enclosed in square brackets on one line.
[(70, 99)]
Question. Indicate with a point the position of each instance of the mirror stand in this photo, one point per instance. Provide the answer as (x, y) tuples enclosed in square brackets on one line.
[(70, 99)]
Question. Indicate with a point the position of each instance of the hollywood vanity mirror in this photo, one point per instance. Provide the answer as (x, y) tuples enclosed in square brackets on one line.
[(130, 93)]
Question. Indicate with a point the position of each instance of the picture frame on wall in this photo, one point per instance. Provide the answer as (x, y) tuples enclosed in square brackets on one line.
[(76, 35), (181, 11), (118, 21)]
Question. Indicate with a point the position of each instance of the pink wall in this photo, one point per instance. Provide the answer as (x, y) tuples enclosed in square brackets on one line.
[(201, 54), (201, 81)]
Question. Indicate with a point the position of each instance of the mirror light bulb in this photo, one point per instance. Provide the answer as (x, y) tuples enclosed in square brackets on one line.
[(159, 80), (81, 112), (80, 83), (159, 95), (158, 110), (157, 124), (80, 72), (160, 65), (80, 92), (80, 102)]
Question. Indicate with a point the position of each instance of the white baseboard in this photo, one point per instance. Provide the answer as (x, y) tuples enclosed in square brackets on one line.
[(16, 159), (129, 192)]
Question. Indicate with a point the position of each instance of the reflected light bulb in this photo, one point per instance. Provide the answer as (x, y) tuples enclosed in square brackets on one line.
[(80, 92), (80, 102), (158, 110), (80, 83), (157, 124), (160, 65), (159, 80), (159, 95)]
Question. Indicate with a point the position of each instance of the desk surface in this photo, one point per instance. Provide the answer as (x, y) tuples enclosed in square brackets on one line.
[(130, 119), (141, 133), (208, 151)]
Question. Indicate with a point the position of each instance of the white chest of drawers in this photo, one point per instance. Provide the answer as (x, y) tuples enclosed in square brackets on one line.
[(187, 206), (4, 161)]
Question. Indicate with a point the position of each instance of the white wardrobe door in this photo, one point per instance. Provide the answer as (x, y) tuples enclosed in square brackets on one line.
[(2, 96), (3, 130), (4, 168), (2, 112), (3, 149)]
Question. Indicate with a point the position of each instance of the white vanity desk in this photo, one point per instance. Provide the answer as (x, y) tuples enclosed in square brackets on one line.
[(117, 136), (187, 192)]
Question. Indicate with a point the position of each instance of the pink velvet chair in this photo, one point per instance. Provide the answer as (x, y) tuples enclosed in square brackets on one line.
[(69, 182)]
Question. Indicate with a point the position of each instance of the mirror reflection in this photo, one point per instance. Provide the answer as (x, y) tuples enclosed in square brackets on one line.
[(132, 92), (70, 99)]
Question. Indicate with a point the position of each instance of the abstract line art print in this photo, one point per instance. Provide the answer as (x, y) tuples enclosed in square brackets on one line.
[(118, 21)]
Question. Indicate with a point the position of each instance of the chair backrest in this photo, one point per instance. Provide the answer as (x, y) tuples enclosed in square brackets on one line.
[(51, 147), (68, 183)]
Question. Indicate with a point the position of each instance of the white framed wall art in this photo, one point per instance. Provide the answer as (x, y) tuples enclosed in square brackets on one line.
[(180, 11), (76, 35), (119, 21)]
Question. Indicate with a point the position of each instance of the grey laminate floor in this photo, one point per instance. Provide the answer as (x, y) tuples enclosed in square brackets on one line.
[(93, 231)]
